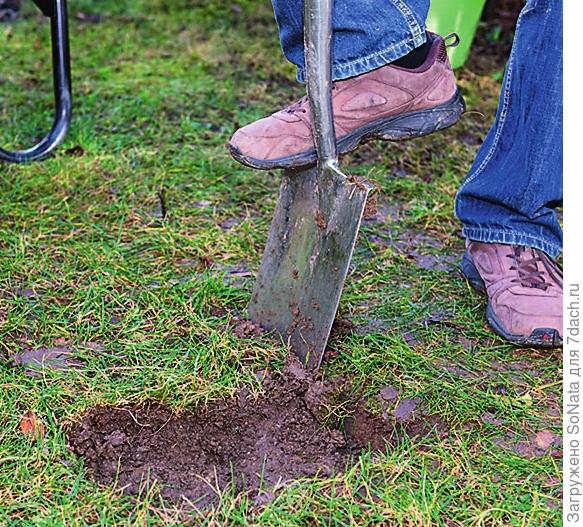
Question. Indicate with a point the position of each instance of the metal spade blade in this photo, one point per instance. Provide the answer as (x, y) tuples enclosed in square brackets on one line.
[(316, 220)]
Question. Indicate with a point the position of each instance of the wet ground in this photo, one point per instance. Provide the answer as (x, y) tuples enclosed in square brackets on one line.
[(135, 295), (298, 427)]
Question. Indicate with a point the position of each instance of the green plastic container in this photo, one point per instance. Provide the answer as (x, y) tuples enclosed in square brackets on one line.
[(456, 16)]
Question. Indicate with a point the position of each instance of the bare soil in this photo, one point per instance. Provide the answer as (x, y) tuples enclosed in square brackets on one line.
[(239, 444)]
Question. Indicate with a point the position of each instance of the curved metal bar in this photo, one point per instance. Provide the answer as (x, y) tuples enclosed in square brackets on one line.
[(317, 43), (62, 89)]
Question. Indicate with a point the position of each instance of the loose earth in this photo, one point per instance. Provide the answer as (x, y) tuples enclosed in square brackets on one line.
[(239, 444)]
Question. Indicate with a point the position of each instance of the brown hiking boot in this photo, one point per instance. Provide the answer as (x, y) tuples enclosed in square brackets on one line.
[(524, 288), (392, 103)]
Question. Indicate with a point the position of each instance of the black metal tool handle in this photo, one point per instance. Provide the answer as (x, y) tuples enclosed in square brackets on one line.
[(318, 46), (57, 11)]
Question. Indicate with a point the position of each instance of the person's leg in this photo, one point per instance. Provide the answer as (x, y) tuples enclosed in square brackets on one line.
[(506, 203), (388, 83), (367, 34), (515, 182)]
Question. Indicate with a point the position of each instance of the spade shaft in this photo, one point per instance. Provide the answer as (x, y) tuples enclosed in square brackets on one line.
[(317, 46), (316, 220)]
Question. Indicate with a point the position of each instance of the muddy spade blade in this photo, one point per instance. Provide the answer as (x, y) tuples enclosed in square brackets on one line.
[(316, 221)]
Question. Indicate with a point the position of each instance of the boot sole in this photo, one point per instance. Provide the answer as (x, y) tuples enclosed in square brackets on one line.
[(396, 128), (539, 338)]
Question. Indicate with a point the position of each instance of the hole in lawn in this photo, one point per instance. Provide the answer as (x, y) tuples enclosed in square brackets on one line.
[(240, 443)]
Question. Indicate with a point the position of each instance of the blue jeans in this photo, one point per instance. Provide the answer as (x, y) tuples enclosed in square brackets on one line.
[(367, 33), (515, 182)]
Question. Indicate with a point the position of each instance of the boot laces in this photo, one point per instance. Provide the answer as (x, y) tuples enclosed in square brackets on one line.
[(529, 272), (301, 105), (298, 106)]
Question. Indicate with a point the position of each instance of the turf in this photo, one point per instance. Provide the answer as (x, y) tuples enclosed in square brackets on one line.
[(134, 248)]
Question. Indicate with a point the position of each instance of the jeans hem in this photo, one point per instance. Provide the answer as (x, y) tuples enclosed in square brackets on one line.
[(352, 68), (512, 238)]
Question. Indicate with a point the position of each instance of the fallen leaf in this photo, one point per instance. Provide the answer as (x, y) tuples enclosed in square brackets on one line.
[(35, 361), (535, 445), (489, 418), (30, 424), (405, 408), (544, 439), (229, 223), (410, 337), (389, 393)]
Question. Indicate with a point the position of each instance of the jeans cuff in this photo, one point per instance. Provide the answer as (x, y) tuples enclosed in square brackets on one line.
[(512, 238), (351, 68)]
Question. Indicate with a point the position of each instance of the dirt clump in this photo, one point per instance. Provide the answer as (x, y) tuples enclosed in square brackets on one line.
[(246, 444), (245, 329), (320, 220), (371, 208)]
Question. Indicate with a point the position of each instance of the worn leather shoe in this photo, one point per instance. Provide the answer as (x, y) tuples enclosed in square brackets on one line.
[(391, 103), (524, 288)]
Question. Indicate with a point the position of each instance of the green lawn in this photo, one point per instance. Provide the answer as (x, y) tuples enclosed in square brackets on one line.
[(134, 246)]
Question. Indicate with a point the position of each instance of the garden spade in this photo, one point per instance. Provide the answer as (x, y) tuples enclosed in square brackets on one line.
[(316, 219)]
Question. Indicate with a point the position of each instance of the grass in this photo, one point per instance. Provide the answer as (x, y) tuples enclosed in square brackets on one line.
[(128, 245)]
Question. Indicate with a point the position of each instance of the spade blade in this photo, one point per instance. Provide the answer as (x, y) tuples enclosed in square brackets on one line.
[(307, 257)]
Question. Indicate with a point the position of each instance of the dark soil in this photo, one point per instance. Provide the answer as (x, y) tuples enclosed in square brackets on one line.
[(246, 329), (237, 444), (493, 41)]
